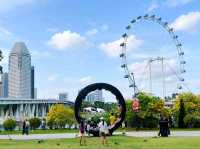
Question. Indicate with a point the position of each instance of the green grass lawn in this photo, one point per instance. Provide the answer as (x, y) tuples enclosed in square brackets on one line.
[(115, 142)]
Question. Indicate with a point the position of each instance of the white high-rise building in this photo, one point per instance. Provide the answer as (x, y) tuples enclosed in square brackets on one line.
[(19, 76), (96, 95), (63, 96)]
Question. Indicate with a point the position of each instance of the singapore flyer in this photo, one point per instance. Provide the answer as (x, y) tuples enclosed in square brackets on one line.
[(163, 66)]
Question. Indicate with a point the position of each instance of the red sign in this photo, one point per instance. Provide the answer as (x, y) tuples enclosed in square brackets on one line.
[(136, 105)]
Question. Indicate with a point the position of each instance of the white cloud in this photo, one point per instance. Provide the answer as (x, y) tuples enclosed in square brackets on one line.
[(98, 29), (141, 73), (187, 22), (52, 77), (86, 80), (113, 49), (92, 32), (141, 69), (152, 7), (174, 3), (67, 40), (40, 54), (4, 31)]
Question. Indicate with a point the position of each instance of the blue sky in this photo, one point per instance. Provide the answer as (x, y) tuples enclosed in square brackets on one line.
[(75, 43)]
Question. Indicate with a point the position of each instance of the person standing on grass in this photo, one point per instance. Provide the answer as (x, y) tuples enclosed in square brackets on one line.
[(103, 130), (23, 127), (27, 125), (82, 133), (124, 127), (88, 128)]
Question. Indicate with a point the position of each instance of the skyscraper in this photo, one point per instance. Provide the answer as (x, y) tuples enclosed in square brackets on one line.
[(63, 96), (4, 85), (96, 95), (32, 82), (19, 76)]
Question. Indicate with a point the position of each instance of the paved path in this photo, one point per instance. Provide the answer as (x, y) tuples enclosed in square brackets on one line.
[(39, 136), (74, 135), (155, 133)]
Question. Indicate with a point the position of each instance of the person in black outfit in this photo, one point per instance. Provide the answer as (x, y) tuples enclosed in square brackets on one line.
[(160, 126), (23, 127), (164, 127)]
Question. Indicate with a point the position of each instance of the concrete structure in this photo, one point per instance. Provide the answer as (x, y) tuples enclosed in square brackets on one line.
[(96, 95), (63, 96), (21, 108), (19, 76), (32, 82)]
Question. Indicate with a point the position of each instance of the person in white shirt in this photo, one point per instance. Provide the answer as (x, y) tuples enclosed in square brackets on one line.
[(103, 130)]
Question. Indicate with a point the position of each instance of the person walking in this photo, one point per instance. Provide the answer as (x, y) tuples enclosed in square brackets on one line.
[(23, 127), (43, 125), (27, 125), (161, 128), (82, 133), (88, 128), (124, 125), (103, 130)]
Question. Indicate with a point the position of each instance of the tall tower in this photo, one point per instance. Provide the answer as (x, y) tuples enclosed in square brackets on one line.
[(32, 82), (19, 76), (5, 85)]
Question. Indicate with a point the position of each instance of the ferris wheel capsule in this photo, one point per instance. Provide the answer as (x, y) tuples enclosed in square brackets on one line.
[(182, 62), (146, 15), (122, 55), (159, 19), (123, 65), (133, 21), (181, 53), (165, 24), (153, 16), (175, 37), (139, 17), (124, 35), (128, 27), (126, 76), (180, 87)]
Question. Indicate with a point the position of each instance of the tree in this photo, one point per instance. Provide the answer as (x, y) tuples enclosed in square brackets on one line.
[(192, 120), (9, 124), (181, 115), (151, 107), (99, 104), (35, 123), (60, 115), (191, 104)]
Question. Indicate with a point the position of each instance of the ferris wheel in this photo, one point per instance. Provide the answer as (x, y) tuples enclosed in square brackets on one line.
[(177, 44)]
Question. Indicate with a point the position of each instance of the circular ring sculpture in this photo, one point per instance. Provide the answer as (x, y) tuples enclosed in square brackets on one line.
[(83, 93), (174, 37)]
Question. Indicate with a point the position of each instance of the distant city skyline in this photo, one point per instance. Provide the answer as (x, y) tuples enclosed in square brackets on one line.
[(78, 44)]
